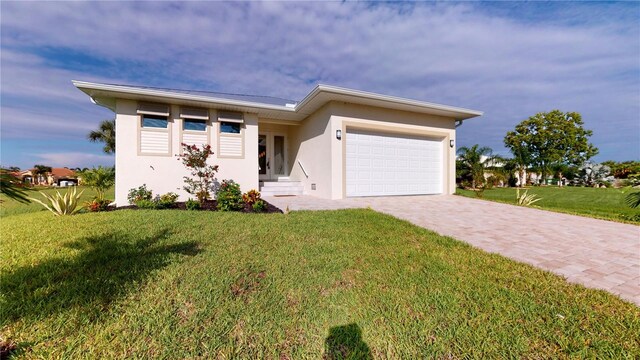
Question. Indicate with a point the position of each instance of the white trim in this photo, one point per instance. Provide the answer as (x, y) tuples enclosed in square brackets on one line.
[(319, 96)]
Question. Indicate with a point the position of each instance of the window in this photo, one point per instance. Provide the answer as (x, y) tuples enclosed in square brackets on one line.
[(194, 124), (229, 127), (154, 121)]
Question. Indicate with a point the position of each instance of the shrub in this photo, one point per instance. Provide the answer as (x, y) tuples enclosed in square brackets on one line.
[(97, 205), (146, 204), (99, 179), (251, 197), (166, 201), (192, 204), (526, 199), (59, 204), (140, 193), (203, 174), (229, 196), (259, 206)]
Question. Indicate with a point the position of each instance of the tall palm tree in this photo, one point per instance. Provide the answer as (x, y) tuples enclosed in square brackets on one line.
[(475, 160), (106, 134), (38, 171)]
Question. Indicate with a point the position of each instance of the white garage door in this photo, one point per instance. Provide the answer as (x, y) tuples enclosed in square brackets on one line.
[(388, 164)]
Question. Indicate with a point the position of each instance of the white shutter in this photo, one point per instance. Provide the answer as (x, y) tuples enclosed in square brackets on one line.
[(231, 145), (154, 142)]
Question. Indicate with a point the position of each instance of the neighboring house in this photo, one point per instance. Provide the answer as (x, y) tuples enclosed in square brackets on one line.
[(57, 177), (333, 144), (62, 177)]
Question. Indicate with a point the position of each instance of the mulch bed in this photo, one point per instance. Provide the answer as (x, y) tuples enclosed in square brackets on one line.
[(209, 205)]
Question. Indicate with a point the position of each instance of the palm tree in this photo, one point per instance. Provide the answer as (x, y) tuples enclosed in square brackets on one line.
[(40, 170), (474, 161), (12, 187), (106, 133)]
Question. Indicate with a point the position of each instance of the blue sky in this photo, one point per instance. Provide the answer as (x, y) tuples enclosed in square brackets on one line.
[(508, 59)]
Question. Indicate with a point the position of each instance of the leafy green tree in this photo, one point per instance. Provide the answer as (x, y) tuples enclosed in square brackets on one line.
[(106, 134), (551, 138), (622, 170), (40, 170), (474, 161), (12, 187), (99, 179)]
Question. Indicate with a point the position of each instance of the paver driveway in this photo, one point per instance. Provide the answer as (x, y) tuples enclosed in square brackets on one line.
[(596, 253)]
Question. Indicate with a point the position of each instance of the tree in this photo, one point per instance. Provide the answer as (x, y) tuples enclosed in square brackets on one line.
[(203, 174), (99, 179), (12, 187), (40, 170), (551, 138), (474, 161), (106, 134)]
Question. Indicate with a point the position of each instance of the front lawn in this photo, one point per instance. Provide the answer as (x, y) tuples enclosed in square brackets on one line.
[(177, 284), (605, 204)]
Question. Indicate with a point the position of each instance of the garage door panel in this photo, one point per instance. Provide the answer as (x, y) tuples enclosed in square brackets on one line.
[(390, 164)]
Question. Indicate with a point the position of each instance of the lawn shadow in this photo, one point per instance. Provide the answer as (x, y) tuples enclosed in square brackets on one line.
[(345, 342), (107, 268)]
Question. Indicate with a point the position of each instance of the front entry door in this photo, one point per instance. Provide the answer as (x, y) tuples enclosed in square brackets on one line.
[(272, 160)]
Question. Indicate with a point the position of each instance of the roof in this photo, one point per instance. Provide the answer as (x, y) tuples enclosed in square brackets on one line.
[(62, 172), (266, 106)]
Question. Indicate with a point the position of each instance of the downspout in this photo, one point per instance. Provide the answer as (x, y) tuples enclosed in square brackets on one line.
[(458, 123)]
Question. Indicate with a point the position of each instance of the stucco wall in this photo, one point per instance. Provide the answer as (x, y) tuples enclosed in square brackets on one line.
[(164, 174), (311, 145)]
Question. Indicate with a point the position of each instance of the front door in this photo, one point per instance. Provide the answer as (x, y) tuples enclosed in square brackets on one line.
[(272, 160)]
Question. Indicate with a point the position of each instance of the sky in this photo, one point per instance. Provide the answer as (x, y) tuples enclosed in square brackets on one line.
[(508, 59)]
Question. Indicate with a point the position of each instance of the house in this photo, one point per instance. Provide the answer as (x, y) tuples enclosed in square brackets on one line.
[(334, 143), (55, 177)]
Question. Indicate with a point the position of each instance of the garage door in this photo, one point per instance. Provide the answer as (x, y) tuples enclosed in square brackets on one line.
[(387, 164)]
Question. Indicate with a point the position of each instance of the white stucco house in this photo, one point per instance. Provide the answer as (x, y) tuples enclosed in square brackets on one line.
[(334, 143)]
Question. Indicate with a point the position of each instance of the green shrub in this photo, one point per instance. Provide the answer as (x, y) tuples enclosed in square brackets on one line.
[(99, 179), (140, 193), (146, 204), (192, 204), (229, 196), (259, 206), (166, 201), (59, 204)]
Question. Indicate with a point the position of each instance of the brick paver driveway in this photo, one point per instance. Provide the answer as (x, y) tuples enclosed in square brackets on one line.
[(596, 253)]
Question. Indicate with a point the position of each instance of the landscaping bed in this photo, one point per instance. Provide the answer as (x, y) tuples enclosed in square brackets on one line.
[(208, 205)]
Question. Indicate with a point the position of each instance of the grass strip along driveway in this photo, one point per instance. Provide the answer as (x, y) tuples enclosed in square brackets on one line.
[(348, 283), (607, 204)]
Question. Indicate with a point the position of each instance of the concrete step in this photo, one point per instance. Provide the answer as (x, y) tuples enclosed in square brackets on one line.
[(280, 192), (281, 187), (278, 184)]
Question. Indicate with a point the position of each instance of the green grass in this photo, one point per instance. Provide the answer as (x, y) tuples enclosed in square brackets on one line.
[(177, 284), (605, 204), (10, 207)]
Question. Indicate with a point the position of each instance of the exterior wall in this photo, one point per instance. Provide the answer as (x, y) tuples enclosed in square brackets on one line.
[(310, 145), (164, 174), (349, 116)]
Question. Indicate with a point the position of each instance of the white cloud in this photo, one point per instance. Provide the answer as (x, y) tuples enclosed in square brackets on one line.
[(510, 67)]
